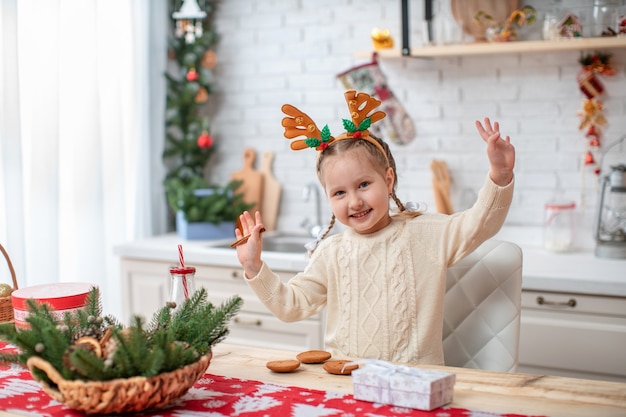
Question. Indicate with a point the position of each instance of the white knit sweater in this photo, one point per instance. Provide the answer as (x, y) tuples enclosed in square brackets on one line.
[(384, 291)]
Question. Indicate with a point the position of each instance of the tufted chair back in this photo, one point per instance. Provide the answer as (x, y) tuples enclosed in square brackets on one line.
[(482, 308)]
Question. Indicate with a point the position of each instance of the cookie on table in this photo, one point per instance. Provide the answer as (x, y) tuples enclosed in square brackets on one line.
[(313, 356), (282, 366), (336, 367)]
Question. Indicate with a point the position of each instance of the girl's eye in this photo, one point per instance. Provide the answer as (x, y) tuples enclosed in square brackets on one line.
[(339, 193), (364, 184)]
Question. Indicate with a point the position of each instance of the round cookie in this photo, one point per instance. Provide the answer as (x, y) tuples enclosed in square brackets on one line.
[(282, 366), (313, 356), (335, 367)]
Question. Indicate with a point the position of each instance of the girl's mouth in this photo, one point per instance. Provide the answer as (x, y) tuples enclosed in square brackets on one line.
[(361, 214)]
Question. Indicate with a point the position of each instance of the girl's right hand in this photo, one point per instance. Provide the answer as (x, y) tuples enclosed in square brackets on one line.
[(249, 253)]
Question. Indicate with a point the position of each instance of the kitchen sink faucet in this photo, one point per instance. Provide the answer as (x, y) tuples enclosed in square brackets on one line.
[(315, 228)]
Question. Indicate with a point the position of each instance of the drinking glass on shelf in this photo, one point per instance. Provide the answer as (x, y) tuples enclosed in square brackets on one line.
[(620, 25), (604, 18)]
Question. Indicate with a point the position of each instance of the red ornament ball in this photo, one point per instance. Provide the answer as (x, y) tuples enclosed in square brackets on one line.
[(205, 140), (192, 75)]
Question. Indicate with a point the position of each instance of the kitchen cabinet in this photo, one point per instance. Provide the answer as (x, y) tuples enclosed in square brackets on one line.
[(146, 288), (572, 334)]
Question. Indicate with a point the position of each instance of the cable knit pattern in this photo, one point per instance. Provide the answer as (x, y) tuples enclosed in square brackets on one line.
[(384, 292), (345, 292), (401, 311)]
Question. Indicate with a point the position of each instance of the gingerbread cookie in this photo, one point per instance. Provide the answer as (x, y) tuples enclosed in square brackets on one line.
[(313, 356), (337, 367), (286, 365)]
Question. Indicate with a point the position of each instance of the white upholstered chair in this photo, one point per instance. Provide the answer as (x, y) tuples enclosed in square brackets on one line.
[(482, 308)]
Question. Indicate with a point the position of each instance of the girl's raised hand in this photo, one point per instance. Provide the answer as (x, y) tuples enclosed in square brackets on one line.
[(500, 152), (249, 253)]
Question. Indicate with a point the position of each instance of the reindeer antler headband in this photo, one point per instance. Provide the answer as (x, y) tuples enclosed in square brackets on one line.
[(298, 124)]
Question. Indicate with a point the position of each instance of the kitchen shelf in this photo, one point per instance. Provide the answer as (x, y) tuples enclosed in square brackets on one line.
[(487, 48)]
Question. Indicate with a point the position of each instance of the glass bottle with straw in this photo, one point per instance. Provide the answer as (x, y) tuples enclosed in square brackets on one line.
[(182, 281)]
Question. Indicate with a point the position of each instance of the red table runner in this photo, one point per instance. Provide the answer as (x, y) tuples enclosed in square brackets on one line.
[(218, 396)]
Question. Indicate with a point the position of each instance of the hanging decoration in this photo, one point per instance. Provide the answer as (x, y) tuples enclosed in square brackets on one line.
[(369, 78), (592, 116), (189, 21)]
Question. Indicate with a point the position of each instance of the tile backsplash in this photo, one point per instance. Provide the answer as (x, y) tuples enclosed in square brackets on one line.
[(276, 52)]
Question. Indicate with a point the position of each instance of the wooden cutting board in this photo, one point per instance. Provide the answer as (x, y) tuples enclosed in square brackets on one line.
[(271, 192), (252, 185)]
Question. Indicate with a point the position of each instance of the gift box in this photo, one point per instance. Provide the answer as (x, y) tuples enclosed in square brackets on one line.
[(403, 386)]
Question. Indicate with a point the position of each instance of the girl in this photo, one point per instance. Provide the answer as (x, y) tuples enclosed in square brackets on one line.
[(383, 279)]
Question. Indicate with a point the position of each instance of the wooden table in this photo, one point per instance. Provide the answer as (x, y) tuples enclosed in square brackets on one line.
[(474, 389)]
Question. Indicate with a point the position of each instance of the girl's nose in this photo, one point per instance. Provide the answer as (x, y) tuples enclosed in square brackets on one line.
[(355, 202)]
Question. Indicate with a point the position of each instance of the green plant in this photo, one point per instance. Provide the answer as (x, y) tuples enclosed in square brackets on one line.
[(84, 345), (188, 143), (203, 203)]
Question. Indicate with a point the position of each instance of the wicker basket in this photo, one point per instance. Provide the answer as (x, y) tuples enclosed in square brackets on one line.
[(6, 304), (125, 395)]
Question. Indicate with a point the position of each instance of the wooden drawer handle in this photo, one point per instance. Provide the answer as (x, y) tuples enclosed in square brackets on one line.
[(235, 274), (569, 303), (251, 322)]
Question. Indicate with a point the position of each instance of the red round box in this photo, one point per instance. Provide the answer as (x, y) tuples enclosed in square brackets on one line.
[(61, 297)]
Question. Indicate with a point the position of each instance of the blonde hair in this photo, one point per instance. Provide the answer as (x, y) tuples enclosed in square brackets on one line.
[(381, 163)]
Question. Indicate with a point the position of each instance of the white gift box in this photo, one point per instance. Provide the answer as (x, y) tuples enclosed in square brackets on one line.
[(403, 386)]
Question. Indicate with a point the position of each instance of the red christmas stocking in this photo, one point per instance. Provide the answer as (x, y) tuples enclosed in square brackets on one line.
[(368, 78)]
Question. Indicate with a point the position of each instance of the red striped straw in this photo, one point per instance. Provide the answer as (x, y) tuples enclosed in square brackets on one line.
[(181, 259)]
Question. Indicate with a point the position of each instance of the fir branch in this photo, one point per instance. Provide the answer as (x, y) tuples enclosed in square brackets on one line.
[(160, 320), (87, 365), (169, 342), (214, 328)]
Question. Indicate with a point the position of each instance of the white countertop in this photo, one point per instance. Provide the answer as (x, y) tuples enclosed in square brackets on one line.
[(202, 252), (576, 271)]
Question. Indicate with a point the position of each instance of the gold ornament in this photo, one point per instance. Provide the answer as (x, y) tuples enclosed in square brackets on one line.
[(202, 95), (5, 290), (381, 39), (209, 59)]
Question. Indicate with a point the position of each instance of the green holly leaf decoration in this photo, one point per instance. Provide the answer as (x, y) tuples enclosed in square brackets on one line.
[(365, 124), (325, 134), (312, 142), (349, 126)]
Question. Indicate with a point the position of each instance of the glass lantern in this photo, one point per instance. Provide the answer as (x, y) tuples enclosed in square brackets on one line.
[(610, 223)]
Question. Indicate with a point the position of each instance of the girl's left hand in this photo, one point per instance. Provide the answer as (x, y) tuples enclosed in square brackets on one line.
[(500, 152)]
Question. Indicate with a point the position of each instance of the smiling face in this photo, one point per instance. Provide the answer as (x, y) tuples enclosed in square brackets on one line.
[(358, 190)]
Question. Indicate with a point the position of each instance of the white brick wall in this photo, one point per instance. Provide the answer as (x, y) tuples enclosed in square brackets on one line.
[(286, 51)]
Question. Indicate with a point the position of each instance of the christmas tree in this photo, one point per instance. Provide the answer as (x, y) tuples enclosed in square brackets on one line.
[(189, 144)]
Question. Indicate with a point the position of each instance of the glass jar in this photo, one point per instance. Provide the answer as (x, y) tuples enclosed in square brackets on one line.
[(558, 226), (182, 284), (604, 18), (550, 30)]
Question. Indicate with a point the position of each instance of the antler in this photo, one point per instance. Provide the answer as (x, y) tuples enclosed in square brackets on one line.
[(299, 124), (358, 111)]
